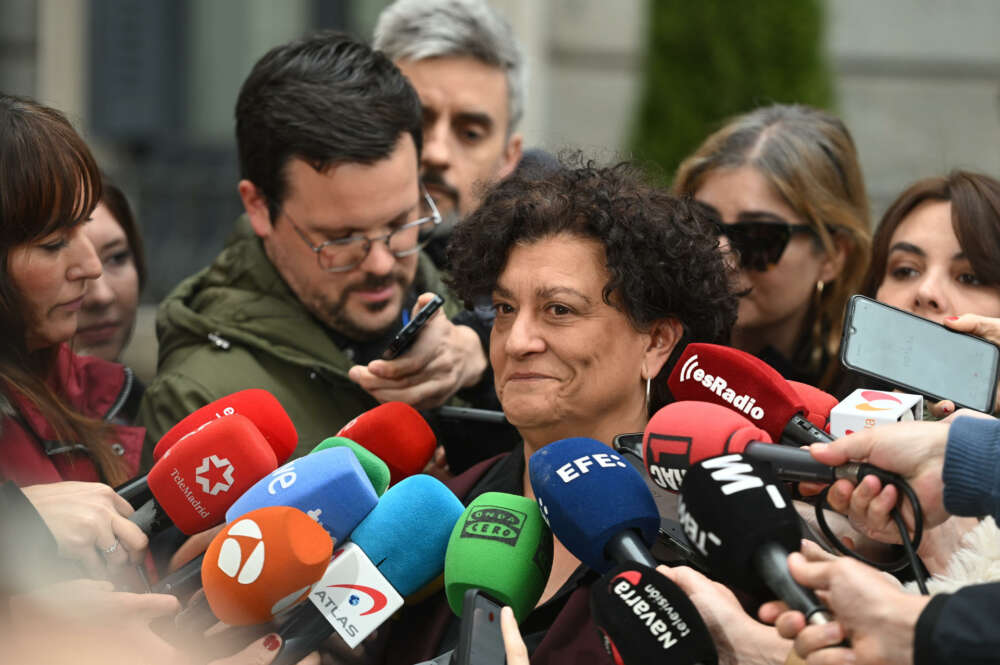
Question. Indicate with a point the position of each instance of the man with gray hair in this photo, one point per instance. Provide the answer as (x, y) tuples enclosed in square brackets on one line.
[(466, 65)]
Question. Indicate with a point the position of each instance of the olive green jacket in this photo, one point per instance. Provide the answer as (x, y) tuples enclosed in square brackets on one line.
[(237, 325)]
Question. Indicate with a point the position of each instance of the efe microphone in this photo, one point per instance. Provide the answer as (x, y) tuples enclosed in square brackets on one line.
[(595, 502)]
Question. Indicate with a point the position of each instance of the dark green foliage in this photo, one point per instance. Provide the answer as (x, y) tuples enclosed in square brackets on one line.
[(708, 60)]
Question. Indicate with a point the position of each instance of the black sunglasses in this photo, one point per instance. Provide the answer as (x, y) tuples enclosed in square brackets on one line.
[(760, 244)]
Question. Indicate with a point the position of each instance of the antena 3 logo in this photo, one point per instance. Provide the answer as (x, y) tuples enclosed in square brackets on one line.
[(718, 385), (231, 561), (209, 465), (502, 525)]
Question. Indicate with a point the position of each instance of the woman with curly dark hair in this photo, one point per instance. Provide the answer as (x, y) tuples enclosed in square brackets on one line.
[(595, 277)]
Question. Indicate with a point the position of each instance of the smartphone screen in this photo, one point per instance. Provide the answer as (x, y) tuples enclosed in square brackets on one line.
[(919, 355)]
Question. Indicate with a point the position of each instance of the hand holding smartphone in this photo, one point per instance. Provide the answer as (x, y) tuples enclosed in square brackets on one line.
[(408, 335)]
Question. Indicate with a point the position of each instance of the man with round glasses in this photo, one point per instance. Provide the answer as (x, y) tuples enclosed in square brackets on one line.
[(326, 265)]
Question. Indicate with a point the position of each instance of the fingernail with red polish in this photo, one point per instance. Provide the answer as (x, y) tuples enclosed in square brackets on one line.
[(272, 642), (951, 318)]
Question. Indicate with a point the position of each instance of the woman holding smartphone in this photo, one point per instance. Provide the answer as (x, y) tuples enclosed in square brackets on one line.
[(786, 187)]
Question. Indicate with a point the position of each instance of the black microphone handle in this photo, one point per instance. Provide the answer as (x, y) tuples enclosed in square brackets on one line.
[(135, 491), (629, 547), (184, 581), (798, 465), (305, 630), (771, 562), (800, 432)]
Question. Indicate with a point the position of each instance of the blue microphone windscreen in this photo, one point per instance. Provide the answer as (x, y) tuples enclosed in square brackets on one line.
[(406, 534), (330, 486), (589, 494)]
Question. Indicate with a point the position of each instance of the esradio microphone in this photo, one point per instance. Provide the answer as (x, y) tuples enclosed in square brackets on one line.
[(259, 406), (501, 546), (263, 563), (397, 434), (397, 549), (595, 502), (330, 486), (203, 474), (682, 434), (746, 384), (735, 513), (643, 617)]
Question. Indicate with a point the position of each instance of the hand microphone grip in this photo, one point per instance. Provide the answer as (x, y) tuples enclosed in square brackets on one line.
[(797, 465), (184, 581), (771, 562), (135, 491), (628, 547), (150, 517), (301, 635)]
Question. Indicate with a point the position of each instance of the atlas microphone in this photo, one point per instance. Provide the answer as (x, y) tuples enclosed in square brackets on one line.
[(397, 549), (330, 486), (643, 617), (259, 406), (735, 513), (196, 480), (397, 434), (263, 563), (595, 502), (746, 384), (682, 434)]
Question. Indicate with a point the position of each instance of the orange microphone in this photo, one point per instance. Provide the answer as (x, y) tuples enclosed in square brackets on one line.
[(263, 563)]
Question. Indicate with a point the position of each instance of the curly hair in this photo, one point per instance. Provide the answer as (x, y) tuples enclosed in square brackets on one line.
[(661, 252)]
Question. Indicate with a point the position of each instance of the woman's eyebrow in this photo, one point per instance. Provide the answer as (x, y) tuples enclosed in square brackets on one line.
[(551, 291), (907, 247)]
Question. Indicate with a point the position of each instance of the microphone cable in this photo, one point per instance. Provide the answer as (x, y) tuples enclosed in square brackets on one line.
[(909, 556)]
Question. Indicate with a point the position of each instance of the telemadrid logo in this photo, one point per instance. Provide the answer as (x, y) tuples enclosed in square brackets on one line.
[(873, 397), (743, 403), (210, 462)]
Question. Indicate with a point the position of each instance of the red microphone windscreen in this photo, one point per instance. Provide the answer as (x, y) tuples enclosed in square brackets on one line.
[(818, 404), (262, 563), (738, 381), (260, 406), (397, 434), (203, 474), (684, 433)]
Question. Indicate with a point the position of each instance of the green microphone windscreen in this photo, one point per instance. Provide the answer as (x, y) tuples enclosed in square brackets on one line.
[(375, 468), (501, 545)]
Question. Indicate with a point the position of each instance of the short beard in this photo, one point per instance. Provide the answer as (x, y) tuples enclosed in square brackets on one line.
[(338, 319)]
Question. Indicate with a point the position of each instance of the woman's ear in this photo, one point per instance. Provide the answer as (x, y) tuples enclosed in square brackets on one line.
[(833, 264), (663, 337)]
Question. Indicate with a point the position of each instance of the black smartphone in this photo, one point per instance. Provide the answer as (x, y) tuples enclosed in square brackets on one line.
[(919, 356), (404, 338), (480, 641)]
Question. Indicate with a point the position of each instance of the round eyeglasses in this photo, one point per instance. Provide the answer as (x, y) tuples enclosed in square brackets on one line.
[(348, 253)]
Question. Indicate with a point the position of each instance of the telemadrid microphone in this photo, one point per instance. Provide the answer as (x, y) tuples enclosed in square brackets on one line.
[(376, 470), (643, 617), (818, 403), (746, 384), (397, 434), (397, 549), (682, 434), (259, 406), (595, 502), (263, 563), (196, 480), (735, 513), (329, 486), (501, 546)]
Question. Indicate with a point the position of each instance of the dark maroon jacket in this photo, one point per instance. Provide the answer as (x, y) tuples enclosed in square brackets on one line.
[(95, 388), (571, 636)]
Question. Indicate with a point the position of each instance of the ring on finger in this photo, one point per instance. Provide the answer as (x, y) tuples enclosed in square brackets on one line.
[(111, 550)]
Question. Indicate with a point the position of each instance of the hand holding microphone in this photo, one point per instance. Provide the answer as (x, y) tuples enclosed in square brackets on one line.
[(90, 524)]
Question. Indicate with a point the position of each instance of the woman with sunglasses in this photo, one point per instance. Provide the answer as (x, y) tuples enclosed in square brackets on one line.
[(786, 186)]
